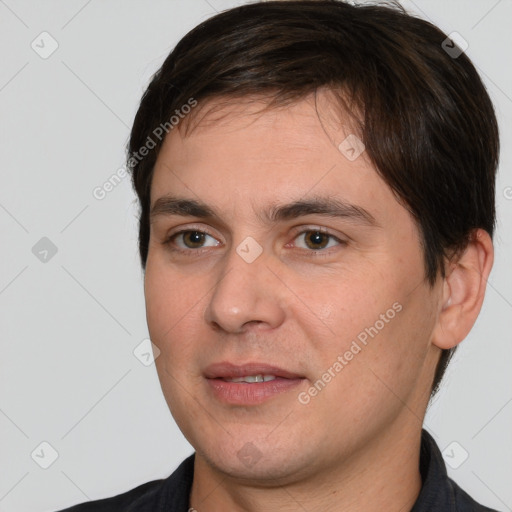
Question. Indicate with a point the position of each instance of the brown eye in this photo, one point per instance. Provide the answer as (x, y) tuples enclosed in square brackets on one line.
[(189, 239), (193, 239), (316, 240)]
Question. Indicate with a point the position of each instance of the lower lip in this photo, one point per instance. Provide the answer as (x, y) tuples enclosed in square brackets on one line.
[(250, 393)]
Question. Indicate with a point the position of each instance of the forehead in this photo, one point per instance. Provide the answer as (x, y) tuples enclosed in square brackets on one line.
[(321, 108), (242, 152)]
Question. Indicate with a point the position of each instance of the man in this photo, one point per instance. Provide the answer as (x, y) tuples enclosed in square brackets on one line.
[(316, 182)]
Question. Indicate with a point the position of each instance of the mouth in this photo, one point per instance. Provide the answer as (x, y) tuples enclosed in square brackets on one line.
[(250, 378), (249, 384), (226, 370)]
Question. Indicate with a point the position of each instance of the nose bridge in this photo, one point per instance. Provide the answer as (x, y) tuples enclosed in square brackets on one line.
[(242, 293)]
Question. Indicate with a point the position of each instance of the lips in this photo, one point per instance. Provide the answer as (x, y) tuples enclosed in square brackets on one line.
[(226, 370), (225, 383)]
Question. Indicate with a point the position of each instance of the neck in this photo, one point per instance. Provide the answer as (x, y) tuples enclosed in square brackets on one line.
[(383, 476)]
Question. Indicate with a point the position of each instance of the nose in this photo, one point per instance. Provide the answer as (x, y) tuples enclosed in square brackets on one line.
[(245, 294)]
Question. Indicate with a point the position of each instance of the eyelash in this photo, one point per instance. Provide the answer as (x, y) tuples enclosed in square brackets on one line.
[(319, 253)]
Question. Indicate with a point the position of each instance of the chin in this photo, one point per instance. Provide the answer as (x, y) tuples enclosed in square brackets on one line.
[(270, 465)]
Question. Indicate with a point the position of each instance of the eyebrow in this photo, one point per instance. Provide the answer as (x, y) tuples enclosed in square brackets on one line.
[(325, 206)]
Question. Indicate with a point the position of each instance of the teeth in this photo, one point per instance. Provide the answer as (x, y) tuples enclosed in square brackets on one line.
[(252, 378)]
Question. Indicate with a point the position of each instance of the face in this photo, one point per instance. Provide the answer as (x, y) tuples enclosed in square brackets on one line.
[(326, 295)]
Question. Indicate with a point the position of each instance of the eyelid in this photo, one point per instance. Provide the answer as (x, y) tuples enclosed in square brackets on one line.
[(189, 227), (321, 229), (295, 231)]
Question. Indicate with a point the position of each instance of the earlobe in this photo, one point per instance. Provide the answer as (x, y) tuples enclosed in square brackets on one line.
[(463, 291)]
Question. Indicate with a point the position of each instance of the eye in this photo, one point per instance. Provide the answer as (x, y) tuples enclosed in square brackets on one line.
[(191, 239), (317, 239)]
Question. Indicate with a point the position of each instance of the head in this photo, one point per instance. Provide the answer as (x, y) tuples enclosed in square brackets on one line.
[(276, 103)]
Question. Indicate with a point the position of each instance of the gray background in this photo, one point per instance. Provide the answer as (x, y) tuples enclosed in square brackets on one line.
[(70, 324)]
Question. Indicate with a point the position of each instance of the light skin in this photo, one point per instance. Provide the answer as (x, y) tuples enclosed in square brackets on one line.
[(299, 305)]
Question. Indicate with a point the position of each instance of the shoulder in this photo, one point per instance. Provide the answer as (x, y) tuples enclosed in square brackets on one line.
[(439, 492), (171, 493), (464, 502)]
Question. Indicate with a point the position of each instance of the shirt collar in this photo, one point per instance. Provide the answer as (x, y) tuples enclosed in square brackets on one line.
[(437, 493)]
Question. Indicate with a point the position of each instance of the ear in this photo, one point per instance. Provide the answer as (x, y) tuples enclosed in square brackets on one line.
[(463, 291)]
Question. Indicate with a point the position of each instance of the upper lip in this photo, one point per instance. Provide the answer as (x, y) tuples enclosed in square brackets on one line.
[(228, 370)]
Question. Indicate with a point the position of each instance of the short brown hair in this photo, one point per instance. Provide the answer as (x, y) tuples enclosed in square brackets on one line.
[(427, 121)]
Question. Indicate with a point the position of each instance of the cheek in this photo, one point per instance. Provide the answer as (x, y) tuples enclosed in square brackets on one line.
[(169, 306), (372, 326), (175, 305), (372, 379), (393, 357), (169, 300), (161, 303), (341, 312)]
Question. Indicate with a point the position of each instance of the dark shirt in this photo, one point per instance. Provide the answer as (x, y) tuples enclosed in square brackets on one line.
[(438, 492)]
